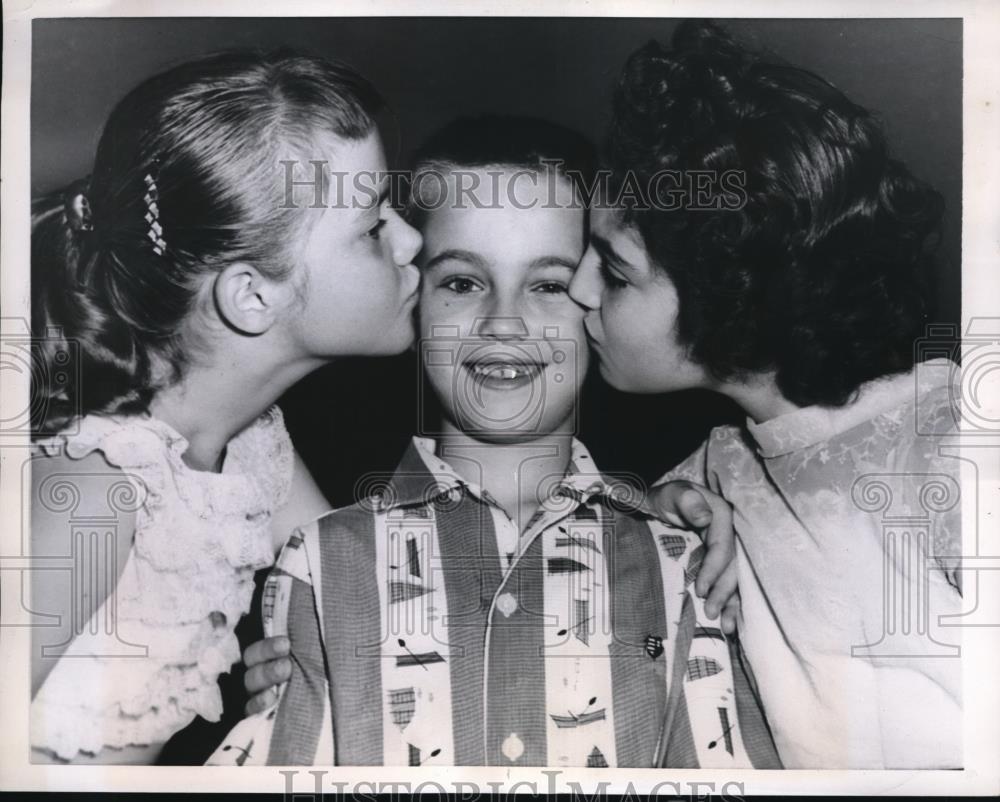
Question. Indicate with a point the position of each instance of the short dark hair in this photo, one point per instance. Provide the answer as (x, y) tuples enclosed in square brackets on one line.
[(821, 275), (510, 141)]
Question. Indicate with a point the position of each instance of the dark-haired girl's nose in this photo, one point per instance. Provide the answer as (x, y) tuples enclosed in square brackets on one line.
[(587, 286)]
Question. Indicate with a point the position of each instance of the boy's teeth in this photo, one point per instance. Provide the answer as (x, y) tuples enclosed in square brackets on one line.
[(500, 371)]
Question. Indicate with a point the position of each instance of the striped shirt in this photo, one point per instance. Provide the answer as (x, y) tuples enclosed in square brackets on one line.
[(426, 629)]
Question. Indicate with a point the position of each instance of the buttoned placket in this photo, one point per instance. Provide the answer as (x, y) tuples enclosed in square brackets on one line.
[(505, 602)]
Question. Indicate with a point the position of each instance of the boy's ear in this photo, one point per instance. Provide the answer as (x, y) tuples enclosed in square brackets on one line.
[(247, 300)]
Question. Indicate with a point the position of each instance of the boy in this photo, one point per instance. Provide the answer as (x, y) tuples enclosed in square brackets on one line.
[(538, 622)]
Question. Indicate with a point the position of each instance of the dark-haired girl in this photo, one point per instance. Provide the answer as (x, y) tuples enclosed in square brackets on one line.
[(194, 289), (802, 302)]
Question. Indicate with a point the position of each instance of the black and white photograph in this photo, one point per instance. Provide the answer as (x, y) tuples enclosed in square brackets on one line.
[(591, 396)]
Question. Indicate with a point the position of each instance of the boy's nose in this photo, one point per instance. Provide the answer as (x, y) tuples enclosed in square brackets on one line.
[(501, 327), (587, 285)]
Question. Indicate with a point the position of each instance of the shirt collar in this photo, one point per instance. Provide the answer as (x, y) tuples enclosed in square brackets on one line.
[(815, 424), (422, 476)]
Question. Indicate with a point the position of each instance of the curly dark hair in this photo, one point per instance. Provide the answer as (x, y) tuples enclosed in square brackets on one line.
[(821, 275)]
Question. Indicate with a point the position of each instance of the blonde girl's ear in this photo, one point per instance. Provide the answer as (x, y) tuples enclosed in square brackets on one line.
[(247, 300)]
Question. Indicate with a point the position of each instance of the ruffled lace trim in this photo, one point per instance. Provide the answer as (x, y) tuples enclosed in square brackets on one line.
[(199, 538)]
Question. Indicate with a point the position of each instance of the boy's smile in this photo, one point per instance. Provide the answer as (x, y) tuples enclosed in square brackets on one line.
[(502, 342), (498, 371)]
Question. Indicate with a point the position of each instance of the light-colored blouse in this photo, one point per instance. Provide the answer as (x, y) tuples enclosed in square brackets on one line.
[(188, 579), (844, 519)]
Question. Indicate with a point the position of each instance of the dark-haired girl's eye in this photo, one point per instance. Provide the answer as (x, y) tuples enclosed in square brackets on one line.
[(375, 231), (551, 287), (611, 279)]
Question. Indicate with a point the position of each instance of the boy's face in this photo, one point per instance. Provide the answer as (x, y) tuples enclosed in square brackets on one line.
[(503, 344)]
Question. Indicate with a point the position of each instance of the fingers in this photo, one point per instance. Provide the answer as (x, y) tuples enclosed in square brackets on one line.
[(720, 549), (679, 503), (261, 702), (694, 510), (266, 675), (263, 650), (722, 591), (731, 615)]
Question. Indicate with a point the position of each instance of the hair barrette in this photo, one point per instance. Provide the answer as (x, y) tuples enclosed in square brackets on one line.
[(78, 213), (155, 232)]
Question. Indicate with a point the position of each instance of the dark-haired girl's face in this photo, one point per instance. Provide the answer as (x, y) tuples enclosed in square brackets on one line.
[(358, 279), (632, 311)]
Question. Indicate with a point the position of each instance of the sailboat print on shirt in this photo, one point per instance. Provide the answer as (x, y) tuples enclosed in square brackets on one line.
[(596, 759), (579, 719), (412, 556), (701, 667), (577, 540), (581, 610), (402, 704), (404, 590), (673, 545)]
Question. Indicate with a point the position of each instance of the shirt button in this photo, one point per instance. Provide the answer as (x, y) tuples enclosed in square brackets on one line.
[(506, 604), (512, 747)]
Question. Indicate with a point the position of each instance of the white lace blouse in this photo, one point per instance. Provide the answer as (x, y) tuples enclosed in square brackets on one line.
[(187, 581)]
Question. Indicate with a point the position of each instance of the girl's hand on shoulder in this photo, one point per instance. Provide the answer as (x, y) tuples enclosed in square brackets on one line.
[(690, 506)]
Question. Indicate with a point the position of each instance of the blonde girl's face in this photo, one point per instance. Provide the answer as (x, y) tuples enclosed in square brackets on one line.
[(357, 277)]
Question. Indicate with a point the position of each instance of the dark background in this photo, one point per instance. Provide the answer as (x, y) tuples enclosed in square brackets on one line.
[(355, 417)]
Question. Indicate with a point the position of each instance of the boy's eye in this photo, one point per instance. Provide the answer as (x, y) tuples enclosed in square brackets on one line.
[(460, 284), (611, 279), (374, 231)]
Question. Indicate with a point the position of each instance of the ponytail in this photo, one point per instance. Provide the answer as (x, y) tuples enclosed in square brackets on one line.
[(71, 323)]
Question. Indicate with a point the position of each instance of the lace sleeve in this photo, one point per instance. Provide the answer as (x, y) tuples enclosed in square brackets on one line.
[(274, 456), (188, 579), (696, 467), (935, 467)]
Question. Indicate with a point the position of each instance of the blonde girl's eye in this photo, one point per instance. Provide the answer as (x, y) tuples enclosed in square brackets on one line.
[(375, 232), (461, 285)]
